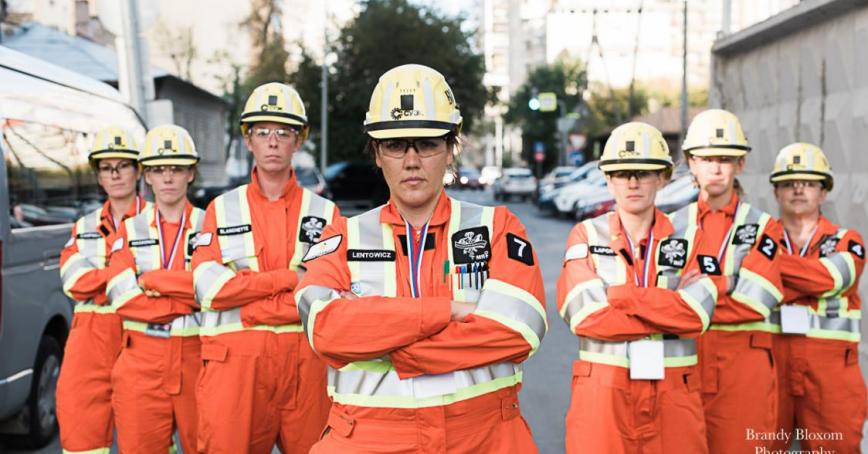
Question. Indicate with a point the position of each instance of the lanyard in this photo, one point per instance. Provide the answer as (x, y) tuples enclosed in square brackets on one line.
[(648, 247), (168, 263), (415, 262), (728, 237), (804, 249)]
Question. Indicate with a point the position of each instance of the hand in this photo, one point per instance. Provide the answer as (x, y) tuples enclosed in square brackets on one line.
[(460, 310), (148, 292), (689, 278)]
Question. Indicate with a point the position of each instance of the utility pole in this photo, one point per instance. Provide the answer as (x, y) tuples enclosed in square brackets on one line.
[(684, 81), (134, 67), (324, 95)]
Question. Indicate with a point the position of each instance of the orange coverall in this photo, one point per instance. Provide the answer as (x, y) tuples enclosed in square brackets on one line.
[(260, 384), (822, 391), (84, 411), (610, 412), (416, 337), (154, 378), (739, 382)]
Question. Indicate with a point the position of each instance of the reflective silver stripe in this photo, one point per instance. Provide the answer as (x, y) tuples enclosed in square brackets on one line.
[(139, 228), (89, 245), (735, 254), (678, 352), (122, 288), (609, 267), (839, 261), (850, 325), (370, 279), (184, 325), (197, 219), (586, 294), (311, 205), (232, 210), (702, 297), (308, 296), (208, 278), (514, 307), (74, 267), (756, 292)]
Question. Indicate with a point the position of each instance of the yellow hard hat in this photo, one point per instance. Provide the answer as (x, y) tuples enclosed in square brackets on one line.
[(113, 142), (802, 161), (412, 101), (635, 146), (275, 102), (168, 145), (715, 132)]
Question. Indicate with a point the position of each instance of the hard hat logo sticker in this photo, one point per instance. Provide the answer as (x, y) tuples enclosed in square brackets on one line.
[(167, 147), (629, 150), (407, 108)]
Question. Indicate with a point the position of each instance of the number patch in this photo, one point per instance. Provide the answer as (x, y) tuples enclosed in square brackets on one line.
[(708, 264), (519, 249), (768, 247), (857, 249)]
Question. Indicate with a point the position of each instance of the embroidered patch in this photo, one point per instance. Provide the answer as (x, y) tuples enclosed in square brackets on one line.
[(768, 247), (144, 242), (117, 245), (857, 249), (519, 249), (673, 252), (708, 264), (322, 248), (828, 246), (471, 245), (746, 234), (89, 236), (311, 229), (201, 239), (576, 252), (234, 230), (191, 242), (370, 255), (602, 250)]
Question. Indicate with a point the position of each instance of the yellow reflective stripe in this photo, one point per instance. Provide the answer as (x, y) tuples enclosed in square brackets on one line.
[(755, 278), (834, 335), (622, 361), (95, 308), (465, 393), (696, 305), (380, 367), (89, 451), (142, 327), (588, 308), (208, 279), (750, 326), (236, 327), (390, 271), (454, 224), (315, 309), (840, 284)]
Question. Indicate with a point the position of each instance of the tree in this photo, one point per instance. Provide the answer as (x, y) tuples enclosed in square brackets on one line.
[(565, 78), (607, 110), (388, 33)]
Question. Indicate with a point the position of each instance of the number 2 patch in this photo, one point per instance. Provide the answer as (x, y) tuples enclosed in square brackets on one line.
[(768, 247), (519, 249)]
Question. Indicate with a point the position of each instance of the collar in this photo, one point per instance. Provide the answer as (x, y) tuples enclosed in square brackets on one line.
[(728, 210), (188, 211), (442, 212), (137, 207), (661, 229), (286, 195), (825, 229)]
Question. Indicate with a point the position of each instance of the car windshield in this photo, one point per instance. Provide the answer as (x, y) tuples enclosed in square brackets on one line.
[(333, 170), (306, 176)]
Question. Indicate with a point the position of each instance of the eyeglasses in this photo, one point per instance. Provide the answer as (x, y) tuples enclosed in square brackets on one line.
[(163, 170), (122, 167), (283, 134), (800, 184), (425, 147), (641, 176)]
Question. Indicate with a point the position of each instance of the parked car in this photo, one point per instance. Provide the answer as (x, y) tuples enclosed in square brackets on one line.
[(548, 192), (468, 177), (357, 183), (308, 175), (48, 116), (678, 193), (569, 195), (515, 182), (559, 173), (489, 174)]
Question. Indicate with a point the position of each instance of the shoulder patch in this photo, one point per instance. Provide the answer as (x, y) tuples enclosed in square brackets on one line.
[(602, 250), (746, 234), (234, 230), (828, 246), (471, 245), (310, 229), (118, 244), (576, 252), (519, 249), (709, 264), (856, 249), (768, 247), (673, 252), (322, 248), (202, 239), (69, 242)]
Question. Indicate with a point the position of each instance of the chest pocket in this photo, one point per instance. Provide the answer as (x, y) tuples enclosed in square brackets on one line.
[(235, 231)]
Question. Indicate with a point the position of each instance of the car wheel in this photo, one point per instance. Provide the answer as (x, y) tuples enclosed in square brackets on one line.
[(42, 404)]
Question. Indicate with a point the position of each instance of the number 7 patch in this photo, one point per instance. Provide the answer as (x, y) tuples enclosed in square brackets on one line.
[(519, 249)]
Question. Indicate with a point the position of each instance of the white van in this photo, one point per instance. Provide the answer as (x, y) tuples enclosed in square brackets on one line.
[(48, 116)]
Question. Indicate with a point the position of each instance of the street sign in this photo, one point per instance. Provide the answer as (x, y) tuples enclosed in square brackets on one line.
[(539, 151), (548, 102)]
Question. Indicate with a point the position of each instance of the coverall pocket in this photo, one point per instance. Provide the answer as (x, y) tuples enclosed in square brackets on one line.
[(692, 382), (340, 423), (851, 356), (509, 408), (763, 341), (214, 352), (581, 372)]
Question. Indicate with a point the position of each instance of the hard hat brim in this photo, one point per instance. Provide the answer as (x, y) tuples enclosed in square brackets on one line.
[(735, 151), (277, 117), (113, 154), (408, 132), (799, 175), (615, 165), (409, 128), (169, 161)]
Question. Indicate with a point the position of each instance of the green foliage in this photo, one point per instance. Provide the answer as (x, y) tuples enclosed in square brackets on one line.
[(388, 33)]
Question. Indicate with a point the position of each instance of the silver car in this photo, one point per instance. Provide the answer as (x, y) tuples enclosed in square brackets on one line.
[(47, 117)]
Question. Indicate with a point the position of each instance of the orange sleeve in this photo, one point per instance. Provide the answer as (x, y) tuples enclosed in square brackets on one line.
[(666, 310), (582, 298), (82, 279), (509, 321), (218, 287), (343, 330), (833, 275), (177, 284), (757, 287)]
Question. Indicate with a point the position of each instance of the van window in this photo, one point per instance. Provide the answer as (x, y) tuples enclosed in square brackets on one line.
[(49, 178)]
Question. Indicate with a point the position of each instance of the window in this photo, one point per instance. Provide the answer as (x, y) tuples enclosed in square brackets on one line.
[(50, 180)]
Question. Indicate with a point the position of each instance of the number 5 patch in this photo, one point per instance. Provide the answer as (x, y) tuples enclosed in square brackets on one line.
[(519, 249), (709, 264), (768, 247)]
